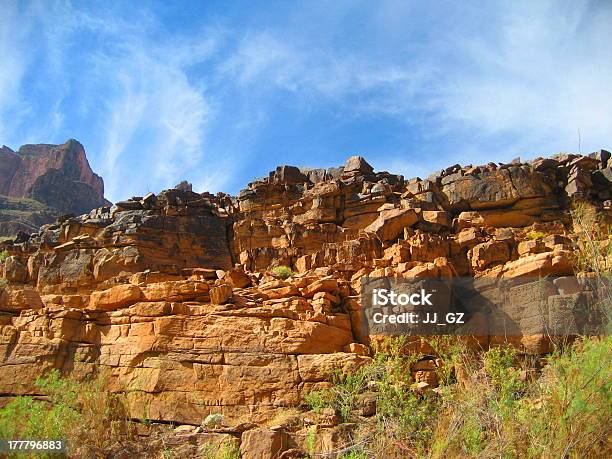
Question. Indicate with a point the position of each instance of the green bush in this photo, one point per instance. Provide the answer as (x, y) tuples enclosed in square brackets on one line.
[(282, 271), (574, 411), (318, 400), (311, 440), (84, 413), (535, 235), (227, 450), (592, 235), (402, 416), (567, 412), (3, 255), (493, 412)]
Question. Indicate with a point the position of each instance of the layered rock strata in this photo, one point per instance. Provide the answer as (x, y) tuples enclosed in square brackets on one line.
[(172, 294)]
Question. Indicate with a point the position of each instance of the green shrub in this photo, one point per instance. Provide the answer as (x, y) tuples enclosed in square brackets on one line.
[(565, 413), (3, 255), (227, 450), (84, 413), (342, 396), (535, 235), (592, 235), (282, 271), (311, 440), (504, 377), (401, 414), (494, 412), (574, 411), (213, 420), (318, 400)]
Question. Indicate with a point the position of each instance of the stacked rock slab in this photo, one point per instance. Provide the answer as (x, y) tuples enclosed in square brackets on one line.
[(172, 296)]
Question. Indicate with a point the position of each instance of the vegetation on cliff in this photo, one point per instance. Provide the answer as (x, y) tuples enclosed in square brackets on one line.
[(488, 405)]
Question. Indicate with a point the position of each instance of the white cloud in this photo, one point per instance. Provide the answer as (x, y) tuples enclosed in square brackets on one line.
[(14, 60), (356, 81), (153, 108), (31, 38), (543, 77), (133, 88), (470, 83), (507, 79)]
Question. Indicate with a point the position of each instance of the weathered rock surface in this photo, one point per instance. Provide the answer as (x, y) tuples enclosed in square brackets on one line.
[(172, 293), (56, 176)]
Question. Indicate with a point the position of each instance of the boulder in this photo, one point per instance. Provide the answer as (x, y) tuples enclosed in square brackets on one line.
[(263, 443), (19, 299), (320, 285), (495, 218), (182, 290), (358, 164), (318, 367), (540, 265), (289, 175), (488, 253), (221, 294), (14, 270), (114, 298), (390, 224), (238, 278), (438, 217), (496, 188)]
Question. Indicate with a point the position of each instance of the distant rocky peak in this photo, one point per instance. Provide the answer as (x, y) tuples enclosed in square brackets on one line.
[(57, 175)]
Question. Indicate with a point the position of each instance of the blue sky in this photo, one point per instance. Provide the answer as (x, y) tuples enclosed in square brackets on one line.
[(220, 92)]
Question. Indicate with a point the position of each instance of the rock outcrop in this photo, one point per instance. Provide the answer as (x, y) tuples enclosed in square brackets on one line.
[(57, 176), (174, 296)]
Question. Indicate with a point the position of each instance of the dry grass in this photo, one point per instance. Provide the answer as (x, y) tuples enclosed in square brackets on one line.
[(493, 412), (92, 420)]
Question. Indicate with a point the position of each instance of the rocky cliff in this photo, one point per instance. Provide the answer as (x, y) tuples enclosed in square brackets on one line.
[(173, 293), (57, 176)]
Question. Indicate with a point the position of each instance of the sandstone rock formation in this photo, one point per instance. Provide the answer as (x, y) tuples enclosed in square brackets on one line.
[(172, 294), (57, 176)]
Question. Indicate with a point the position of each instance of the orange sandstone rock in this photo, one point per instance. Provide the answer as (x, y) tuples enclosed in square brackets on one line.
[(115, 297)]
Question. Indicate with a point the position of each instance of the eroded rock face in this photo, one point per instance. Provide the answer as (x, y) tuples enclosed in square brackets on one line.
[(172, 293), (47, 173), (181, 356), (56, 176)]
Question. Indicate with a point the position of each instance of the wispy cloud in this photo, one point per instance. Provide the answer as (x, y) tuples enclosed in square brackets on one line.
[(155, 117), (539, 79), (219, 96), (154, 114), (133, 87), (14, 63), (266, 61), (519, 78)]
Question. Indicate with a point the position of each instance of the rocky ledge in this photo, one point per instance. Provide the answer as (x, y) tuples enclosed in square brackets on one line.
[(173, 294)]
